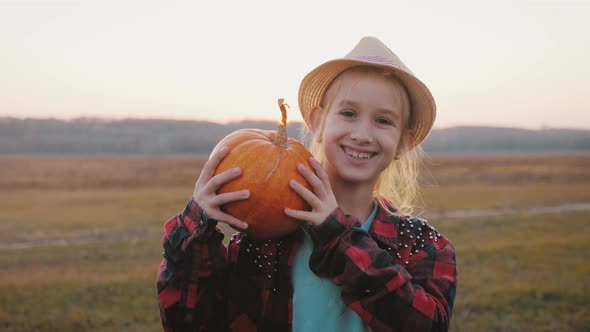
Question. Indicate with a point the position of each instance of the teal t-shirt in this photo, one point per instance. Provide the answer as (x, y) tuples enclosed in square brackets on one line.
[(317, 303)]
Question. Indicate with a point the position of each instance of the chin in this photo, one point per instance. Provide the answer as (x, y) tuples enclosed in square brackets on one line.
[(356, 178)]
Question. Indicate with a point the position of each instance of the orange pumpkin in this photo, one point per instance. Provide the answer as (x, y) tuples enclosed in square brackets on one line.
[(268, 160)]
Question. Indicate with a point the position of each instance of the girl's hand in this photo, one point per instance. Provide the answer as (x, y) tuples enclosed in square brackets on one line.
[(207, 186), (321, 200)]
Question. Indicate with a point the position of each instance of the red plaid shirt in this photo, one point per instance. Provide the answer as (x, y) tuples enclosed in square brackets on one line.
[(401, 276)]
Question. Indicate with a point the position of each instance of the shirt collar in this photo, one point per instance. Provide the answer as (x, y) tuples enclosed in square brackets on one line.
[(385, 227)]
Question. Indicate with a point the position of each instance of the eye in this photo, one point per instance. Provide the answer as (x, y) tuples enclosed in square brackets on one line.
[(385, 121), (348, 113)]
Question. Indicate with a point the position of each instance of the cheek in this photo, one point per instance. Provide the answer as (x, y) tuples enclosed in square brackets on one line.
[(331, 142), (331, 132), (391, 143)]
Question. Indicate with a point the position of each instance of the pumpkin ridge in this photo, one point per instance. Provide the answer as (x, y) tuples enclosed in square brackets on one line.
[(273, 169)]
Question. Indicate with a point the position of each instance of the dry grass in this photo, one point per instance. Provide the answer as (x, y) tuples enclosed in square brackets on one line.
[(517, 273), (98, 172), (502, 196), (463, 169), (523, 273), (90, 172)]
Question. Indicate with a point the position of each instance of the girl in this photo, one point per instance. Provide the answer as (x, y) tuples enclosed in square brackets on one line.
[(360, 262)]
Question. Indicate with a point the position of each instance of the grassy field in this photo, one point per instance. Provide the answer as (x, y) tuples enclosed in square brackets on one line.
[(79, 239)]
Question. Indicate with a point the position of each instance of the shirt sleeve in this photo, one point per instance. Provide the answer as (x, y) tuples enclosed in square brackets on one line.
[(192, 275), (409, 288)]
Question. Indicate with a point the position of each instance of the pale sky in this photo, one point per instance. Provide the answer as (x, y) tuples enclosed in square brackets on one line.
[(511, 63)]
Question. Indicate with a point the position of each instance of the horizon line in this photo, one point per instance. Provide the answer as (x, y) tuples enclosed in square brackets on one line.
[(227, 122)]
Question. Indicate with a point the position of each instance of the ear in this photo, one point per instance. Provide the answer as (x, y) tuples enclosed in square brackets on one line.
[(314, 120), (406, 140)]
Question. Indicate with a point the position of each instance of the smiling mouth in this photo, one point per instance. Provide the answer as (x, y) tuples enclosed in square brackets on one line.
[(358, 155)]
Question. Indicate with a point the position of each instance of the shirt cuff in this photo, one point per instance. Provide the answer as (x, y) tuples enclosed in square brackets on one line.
[(334, 225), (195, 219)]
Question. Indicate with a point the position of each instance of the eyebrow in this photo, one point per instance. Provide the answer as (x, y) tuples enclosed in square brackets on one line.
[(353, 104)]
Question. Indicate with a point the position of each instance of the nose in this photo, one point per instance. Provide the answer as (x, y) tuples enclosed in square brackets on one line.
[(361, 132)]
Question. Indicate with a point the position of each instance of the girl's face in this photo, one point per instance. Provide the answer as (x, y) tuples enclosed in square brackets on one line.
[(363, 126)]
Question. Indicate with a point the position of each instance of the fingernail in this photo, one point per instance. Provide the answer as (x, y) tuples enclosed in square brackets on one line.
[(223, 149), (301, 167), (292, 183), (235, 171), (245, 194), (244, 225)]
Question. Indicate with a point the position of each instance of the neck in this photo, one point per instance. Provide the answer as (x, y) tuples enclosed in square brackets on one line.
[(353, 199)]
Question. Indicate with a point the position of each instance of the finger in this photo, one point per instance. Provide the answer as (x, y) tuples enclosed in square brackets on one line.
[(211, 165), (225, 198), (320, 172), (206, 196), (227, 219), (305, 193), (312, 179), (222, 178), (206, 193), (299, 215)]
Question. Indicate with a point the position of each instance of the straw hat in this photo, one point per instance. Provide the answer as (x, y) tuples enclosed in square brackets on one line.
[(370, 51)]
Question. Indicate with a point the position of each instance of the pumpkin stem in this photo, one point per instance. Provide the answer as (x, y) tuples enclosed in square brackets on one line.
[(281, 139)]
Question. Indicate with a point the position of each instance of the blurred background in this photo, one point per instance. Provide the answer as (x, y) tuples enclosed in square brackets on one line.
[(108, 111)]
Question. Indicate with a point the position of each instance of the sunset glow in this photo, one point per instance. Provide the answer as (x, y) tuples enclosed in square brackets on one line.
[(502, 63)]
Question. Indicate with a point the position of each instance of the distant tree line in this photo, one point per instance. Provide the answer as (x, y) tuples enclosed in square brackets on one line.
[(134, 136)]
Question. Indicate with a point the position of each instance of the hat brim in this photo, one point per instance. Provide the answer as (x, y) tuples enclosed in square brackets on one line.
[(422, 108)]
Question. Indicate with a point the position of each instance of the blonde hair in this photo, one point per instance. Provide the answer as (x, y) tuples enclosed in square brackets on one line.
[(397, 184)]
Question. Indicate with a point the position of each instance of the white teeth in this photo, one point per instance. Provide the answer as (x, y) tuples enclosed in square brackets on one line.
[(359, 155)]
